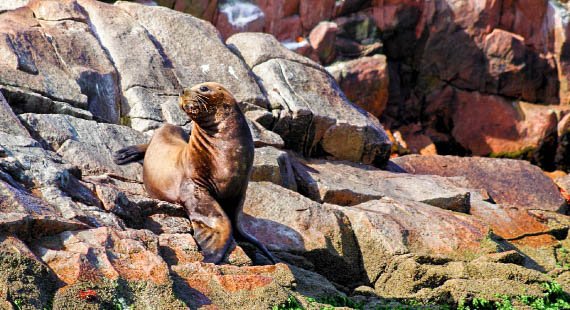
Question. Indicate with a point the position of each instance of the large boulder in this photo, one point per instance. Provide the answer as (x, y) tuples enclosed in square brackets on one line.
[(349, 184), (48, 75), (86, 144), (365, 82), (514, 183), (313, 115), (386, 228), (489, 125), (286, 221)]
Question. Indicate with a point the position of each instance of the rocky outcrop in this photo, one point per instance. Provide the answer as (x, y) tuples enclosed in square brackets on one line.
[(81, 79), (311, 112)]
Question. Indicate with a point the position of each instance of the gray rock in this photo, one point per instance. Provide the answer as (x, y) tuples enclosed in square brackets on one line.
[(12, 4), (263, 137), (9, 122), (86, 144), (32, 62), (316, 115), (182, 39), (348, 184), (273, 165), (257, 48)]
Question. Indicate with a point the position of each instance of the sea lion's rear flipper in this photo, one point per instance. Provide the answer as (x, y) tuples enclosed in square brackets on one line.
[(130, 154), (212, 227), (242, 235)]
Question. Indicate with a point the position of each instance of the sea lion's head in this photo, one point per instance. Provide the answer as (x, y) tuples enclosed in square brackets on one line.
[(206, 101)]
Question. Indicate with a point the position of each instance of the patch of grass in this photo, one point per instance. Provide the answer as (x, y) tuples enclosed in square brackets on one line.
[(340, 301), (554, 298), (291, 304)]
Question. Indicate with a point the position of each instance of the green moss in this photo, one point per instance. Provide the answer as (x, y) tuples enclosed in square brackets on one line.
[(524, 153), (118, 295), (554, 298), (125, 121), (27, 283)]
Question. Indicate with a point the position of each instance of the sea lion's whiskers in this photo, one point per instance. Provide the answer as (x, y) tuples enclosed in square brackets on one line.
[(202, 100)]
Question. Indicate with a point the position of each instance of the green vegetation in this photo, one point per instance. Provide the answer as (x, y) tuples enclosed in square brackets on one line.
[(291, 304), (554, 298)]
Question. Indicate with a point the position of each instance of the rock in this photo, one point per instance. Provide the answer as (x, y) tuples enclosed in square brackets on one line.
[(263, 137), (239, 17), (257, 48), (162, 223), (191, 65), (103, 253), (87, 144), (55, 182), (510, 223), (386, 228), (519, 184), (86, 79), (120, 293), (12, 5), (322, 39), (312, 284), (179, 248), (349, 184), (23, 277), (316, 115), (115, 201), (415, 140), (202, 9), (364, 81), (312, 12), (9, 122), (512, 65), (286, 221), (29, 217), (281, 18), (507, 257), (491, 125), (273, 165), (31, 60), (359, 27), (427, 279), (562, 157), (564, 184), (230, 287)]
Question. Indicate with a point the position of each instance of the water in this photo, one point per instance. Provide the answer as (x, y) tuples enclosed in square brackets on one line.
[(241, 13)]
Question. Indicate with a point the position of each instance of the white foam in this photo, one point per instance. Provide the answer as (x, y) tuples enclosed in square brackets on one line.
[(241, 13), (292, 45)]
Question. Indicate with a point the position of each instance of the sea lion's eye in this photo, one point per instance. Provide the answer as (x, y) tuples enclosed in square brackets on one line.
[(204, 89)]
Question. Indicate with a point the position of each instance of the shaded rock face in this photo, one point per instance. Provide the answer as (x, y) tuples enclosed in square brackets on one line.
[(81, 79)]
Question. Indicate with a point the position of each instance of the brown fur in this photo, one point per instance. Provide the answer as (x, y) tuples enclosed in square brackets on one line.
[(208, 172)]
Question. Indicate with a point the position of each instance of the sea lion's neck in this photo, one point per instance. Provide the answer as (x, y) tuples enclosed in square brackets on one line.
[(226, 143)]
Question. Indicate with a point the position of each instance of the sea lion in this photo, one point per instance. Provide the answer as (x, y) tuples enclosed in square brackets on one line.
[(206, 172)]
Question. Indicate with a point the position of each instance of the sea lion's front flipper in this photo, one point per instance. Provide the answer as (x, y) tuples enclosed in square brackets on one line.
[(212, 227), (130, 154)]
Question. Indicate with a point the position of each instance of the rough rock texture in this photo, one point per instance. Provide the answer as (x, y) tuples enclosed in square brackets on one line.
[(347, 184), (534, 190), (310, 107), (81, 79), (365, 82)]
